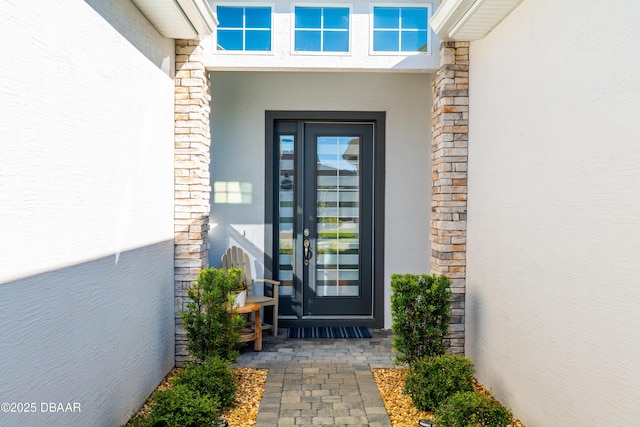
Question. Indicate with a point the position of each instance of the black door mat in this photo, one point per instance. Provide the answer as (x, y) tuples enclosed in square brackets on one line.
[(328, 332)]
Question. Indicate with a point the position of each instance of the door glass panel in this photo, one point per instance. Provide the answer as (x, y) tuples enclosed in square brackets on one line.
[(338, 216), (286, 214)]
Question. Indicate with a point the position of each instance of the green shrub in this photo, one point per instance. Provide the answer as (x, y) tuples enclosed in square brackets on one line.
[(431, 380), (212, 378), (469, 409), (421, 312), (180, 406), (137, 420), (210, 329)]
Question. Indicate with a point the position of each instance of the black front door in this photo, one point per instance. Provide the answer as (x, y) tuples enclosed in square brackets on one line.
[(324, 222)]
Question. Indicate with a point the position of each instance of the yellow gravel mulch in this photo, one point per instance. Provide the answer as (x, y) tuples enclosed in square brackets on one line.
[(390, 382), (400, 407), (244, 411)]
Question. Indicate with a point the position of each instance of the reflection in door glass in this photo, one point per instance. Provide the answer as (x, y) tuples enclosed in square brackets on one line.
[(285, 214), (338, 212)]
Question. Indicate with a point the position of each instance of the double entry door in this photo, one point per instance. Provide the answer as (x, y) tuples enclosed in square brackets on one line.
[(324, 220)]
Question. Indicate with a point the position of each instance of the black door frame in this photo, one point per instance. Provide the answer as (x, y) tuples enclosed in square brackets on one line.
[(378, 120)]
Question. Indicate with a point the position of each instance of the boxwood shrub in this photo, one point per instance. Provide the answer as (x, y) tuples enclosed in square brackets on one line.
[(180, 406), (468, 409), (212, 378), (431, 380)]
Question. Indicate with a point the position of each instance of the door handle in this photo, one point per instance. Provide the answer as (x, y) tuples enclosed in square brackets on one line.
[(307, 251)]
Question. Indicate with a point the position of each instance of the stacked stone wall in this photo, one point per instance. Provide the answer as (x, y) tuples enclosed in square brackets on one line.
[(450, 129), (192, 185)]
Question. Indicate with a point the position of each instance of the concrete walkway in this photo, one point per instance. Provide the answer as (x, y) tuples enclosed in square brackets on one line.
[(328, 382)]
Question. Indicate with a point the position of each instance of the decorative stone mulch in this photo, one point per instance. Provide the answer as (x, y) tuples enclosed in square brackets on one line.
[(244, 411), (399, 406), (390, 384)]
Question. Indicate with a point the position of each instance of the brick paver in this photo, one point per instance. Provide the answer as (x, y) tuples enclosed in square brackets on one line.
[(321, 382)]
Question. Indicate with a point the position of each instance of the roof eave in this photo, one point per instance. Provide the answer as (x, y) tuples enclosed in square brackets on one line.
[(467, 20), (179, 19)]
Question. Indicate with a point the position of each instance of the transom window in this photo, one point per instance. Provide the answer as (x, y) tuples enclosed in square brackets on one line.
[(321, 29), (244, 28), (400, 29)]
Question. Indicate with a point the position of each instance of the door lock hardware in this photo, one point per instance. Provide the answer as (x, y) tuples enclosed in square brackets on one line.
[(307, 252)]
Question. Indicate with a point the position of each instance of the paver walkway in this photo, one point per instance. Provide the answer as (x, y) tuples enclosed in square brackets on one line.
[(328, 382)]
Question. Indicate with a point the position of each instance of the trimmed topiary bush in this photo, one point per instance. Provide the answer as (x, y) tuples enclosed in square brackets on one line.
[(210, 329), (181, 406), (431, 380), (421, 312), (469, 409), (212, 378)]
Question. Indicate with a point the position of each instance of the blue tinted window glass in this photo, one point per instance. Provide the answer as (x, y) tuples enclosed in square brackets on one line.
[(230, 17), (258, 40), (308, 17), (414, 18), (258, 17), (230, 39), (336, 18), (336, 41), (386, 41), (414, 41), (307, 41), (386, 17)]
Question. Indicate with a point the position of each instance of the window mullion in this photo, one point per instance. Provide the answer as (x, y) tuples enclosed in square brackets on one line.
[(399, 30), (244, 28), (322, 29)]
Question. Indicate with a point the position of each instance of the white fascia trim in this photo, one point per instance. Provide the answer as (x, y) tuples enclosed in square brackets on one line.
[(448, 15), (200, 15), (179, 19), (466, 20)]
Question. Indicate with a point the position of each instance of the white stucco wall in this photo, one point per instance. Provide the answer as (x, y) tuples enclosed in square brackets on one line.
[(86, 210), (360, 56), (554, 213), (238, 149)]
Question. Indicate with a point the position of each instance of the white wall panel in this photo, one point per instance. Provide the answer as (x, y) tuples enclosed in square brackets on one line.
[(86, 209), (554, 213)]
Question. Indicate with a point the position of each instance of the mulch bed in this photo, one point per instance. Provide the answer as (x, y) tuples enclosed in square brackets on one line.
[(390, 382), (250, 390), (400, 407), (244, 411)]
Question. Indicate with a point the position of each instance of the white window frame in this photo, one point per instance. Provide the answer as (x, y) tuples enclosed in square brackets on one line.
[(245, 5), (427, 6), (326, 6)]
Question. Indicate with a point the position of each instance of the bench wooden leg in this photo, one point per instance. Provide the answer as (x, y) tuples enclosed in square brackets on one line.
[(257, 344)]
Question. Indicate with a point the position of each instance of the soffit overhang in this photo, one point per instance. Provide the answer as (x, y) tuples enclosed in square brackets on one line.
[(467, 20), (179, 19)]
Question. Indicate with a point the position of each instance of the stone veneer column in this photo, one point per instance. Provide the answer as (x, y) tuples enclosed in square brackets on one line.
[(450, 128), (192, 186)]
